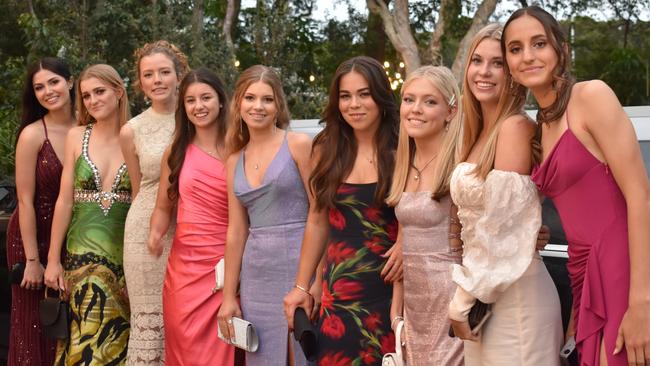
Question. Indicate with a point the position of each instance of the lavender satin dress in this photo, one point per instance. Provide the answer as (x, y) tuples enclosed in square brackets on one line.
[(277, 212)]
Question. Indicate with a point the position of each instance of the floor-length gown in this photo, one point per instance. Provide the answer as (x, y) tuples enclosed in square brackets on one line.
[(27, 345), (144, 273), (354, 325), (501, 216), (99, 308), (189, 305), (277, 210), (428, 286), (594, 217)]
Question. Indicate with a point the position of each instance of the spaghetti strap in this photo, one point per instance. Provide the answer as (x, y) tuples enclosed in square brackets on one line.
[(45, 128)]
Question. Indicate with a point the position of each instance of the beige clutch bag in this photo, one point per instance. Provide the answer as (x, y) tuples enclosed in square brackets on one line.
[(245, 335)]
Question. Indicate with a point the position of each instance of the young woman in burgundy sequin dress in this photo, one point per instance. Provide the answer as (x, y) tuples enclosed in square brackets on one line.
[(47, 115)]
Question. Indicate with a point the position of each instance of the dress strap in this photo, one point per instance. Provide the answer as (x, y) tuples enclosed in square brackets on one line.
[(45, 127)]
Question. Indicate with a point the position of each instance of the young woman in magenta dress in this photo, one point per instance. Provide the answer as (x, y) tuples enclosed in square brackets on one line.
[(267, 173), (353, 159), (193, 181), (89, 217), (500, 226), (47, 116), (594, 173), (159, 68)]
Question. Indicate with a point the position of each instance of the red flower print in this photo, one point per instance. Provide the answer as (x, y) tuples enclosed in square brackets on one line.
[(337, 252), (334, 359), (337, 219), (387, 343), (346, 189), (372, 321), (345, 289), (375, 246), (333, 327), (373, 213), (327, 300), (391, 231), (367, 356)]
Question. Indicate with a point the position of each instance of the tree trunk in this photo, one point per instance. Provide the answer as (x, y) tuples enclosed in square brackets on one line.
[(376, 37), (435, 46), (398, 30), (481, 17), (197, 25), (232, 13)]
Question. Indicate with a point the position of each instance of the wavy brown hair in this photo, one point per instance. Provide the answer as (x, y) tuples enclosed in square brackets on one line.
[(109, 76), (563, 80), (172, 52), (185, 130), (335, 147), (238, 134)]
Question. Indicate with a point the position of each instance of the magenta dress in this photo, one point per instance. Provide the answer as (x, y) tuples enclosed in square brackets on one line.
[(189, 306), (27, 345), (594, 217)]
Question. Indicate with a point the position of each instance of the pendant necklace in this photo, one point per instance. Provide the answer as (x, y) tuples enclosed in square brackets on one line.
[(418, 172)]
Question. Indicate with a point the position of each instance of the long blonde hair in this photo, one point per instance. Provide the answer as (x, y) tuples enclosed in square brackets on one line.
[(106, 74), (442, 79), (511, 102)]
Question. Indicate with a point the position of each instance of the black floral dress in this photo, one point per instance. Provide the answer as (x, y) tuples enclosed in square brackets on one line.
[(354, 322)]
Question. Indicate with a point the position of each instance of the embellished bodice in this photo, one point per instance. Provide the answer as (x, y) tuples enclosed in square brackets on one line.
[(88, 181)]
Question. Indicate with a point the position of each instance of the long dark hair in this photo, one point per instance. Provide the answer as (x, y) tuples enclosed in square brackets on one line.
[(185, 130), (562, 79), (32, 110), (336, 145)]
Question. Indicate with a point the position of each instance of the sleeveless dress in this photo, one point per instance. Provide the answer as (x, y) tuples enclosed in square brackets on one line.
[(594, 217), (354, 325), (427, 282), (277, 211), (189, 305), (99, 308), (501, 216), (27, 345), (144, 273)]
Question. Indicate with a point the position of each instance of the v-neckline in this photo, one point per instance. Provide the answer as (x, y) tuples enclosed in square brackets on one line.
[(99, 184), (264, 176)]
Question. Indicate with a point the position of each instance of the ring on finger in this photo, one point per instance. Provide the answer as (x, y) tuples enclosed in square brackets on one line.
[(229, 321)]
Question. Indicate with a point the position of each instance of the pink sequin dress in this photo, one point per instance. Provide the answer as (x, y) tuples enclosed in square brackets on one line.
[(594, 217)]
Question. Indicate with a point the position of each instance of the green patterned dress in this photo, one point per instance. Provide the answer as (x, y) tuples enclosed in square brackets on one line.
[(99, 308)]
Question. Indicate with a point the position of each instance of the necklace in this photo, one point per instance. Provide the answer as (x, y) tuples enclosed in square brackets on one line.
[(418, 172)]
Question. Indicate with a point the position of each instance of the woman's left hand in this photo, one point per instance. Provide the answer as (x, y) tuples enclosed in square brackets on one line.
[(543, 237), (393, 270), (634, 334), (463, 331)]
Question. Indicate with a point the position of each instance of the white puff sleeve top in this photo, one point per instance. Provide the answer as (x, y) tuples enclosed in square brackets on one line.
[(501, 217)]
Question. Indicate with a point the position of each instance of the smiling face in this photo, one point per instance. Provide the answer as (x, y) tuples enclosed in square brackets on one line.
[(100, 99), (485, 75), (529, 53), (258, 108), (158, 79), (201, 103), (357, 107), (52, 90), (424, 110)]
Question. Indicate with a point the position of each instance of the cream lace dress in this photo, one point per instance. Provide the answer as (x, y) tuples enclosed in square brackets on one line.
[(501, 216), (145, 273)]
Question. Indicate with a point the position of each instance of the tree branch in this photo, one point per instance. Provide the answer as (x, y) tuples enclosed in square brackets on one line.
[(483, 13)]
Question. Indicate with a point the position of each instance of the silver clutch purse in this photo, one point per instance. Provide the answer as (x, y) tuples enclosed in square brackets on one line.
[(245, 335)]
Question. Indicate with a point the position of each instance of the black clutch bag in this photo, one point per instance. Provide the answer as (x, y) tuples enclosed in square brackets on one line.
[(476, 317), (54, 316), (16, 273), (304, 333)]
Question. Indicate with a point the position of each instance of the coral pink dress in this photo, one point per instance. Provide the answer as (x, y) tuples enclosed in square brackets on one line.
[(189, 306), (594, 217)]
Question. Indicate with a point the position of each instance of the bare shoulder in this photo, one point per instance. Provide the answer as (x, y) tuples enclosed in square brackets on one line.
[(32, 134), (232, 160), (299, 143), (76, 132), (596, 104), (126, 131), (517, 127)]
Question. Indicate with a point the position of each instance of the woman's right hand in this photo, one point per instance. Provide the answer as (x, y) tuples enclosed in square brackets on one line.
[(54, 276), (33, 275), (229, 308), (297, 298), (155, 245)]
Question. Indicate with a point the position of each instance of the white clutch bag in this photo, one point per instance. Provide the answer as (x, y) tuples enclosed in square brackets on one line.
[(245, 335), (396, 358), (218, 275)]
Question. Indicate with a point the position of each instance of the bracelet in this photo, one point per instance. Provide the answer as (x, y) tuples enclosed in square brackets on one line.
[(454, 221), (396, 318), (453, 236), (302, 289), (32, 259)]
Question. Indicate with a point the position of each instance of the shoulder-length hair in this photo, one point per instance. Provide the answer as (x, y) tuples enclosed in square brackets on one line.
[(563, 80), (511, 102), (238, 134), (336, 146), (185, 130), (175, 55), (444, 81), (109, 76), (32, 110)]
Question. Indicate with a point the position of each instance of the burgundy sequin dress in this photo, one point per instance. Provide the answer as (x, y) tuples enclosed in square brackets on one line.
[(27, 345)]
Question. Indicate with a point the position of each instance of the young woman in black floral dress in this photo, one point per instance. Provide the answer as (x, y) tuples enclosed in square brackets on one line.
[(353, 159)]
